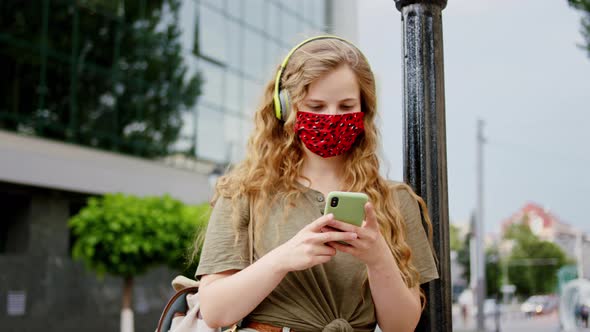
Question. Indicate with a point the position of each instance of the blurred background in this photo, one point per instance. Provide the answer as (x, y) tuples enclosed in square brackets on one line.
[(155, 99)]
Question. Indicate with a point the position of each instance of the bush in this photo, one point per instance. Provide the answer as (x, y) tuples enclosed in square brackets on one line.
[(125, 235)]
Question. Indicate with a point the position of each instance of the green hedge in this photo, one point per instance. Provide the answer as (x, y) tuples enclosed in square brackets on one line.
[(125, 235)]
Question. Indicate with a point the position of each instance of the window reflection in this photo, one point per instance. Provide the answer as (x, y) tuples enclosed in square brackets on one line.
[(252, 97), (187, 17), (233, 95), (275, 57), (309, 10), (192, 65), (254, 56), (234, 45), (255, 13), (212, 82), (274, 23), (234, 8), (186, 138), (212, 34), (289, 27), (214, 3), (210, 135), (234, 140), (319, 13), (291, 5)]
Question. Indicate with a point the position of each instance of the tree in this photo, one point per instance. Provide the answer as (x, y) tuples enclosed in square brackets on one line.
[(108, 74), (464, 258), (533, 263), (584, 6), (456, 238), (126, 235), (492, 269)]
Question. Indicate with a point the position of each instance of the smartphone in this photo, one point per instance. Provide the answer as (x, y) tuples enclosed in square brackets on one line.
[(346, 206)]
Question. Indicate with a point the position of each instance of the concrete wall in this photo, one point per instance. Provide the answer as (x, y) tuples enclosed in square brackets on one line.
[(61, 295)]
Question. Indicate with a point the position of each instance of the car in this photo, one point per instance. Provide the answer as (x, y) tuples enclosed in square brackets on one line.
[(539, 304)]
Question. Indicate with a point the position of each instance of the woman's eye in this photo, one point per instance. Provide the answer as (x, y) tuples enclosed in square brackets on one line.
[(315, 107), (347, 107)]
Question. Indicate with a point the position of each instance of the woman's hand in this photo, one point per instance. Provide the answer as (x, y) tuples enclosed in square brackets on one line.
[(370, 246), (308, 247)]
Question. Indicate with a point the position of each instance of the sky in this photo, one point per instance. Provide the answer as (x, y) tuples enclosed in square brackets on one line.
[(516, 65)]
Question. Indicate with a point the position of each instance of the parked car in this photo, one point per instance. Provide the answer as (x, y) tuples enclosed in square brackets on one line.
[(539, 304)]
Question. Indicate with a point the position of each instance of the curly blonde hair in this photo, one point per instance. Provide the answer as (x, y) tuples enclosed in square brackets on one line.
[(274, 157)]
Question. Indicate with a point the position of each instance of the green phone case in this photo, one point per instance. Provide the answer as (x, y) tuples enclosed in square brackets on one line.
[(350, 206)]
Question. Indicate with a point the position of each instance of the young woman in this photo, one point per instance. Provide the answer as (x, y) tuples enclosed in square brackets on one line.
[(314, 133)]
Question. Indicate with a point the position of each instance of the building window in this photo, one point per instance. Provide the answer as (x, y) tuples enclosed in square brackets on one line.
[(212, 34), (213, 85), (255, 14), (211, 143), (253, 93), (290, 28), (234, 8), (233, 94), (274, 20), (234, 45), (254, 54)]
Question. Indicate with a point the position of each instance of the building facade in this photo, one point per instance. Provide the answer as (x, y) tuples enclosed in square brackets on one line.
[(141, 97), (548, 227)]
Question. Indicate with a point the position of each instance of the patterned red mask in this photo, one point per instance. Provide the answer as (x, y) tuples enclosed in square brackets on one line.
[(329, 135)]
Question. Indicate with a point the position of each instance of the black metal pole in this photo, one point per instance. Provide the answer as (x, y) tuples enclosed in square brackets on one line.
[(425, 153)]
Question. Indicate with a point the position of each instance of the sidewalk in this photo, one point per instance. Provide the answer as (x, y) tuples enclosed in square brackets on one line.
[(517, 323), (509, 315)]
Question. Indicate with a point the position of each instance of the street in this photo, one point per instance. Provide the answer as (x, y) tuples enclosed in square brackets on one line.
[(514, 322)]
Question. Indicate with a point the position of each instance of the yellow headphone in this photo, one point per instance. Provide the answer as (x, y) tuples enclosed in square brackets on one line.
[(281, 99)]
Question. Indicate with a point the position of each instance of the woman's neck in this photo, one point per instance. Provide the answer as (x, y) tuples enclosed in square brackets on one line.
[(325, 174)]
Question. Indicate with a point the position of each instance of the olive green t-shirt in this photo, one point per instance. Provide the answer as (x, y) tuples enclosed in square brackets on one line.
[(328, 297)]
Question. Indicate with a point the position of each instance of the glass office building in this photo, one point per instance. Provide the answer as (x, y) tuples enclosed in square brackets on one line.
[(145, 78)]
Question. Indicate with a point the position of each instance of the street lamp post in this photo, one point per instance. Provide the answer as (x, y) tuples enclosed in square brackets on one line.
[(425, 163)]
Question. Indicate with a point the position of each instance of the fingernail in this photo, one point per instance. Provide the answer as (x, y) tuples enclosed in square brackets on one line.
[(354, 236)]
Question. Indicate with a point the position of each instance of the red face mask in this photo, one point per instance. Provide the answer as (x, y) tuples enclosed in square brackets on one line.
[(329, 135)]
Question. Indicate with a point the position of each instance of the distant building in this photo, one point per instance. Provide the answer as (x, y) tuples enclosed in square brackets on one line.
[(548, 227)]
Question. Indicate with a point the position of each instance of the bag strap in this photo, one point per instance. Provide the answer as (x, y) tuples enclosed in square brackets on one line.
[(177, 303)]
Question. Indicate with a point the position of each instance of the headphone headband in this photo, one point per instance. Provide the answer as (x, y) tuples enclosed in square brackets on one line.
[(281, 105)]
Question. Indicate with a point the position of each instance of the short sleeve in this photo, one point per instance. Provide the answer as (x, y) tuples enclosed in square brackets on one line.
[(422, 255), (220, 251)]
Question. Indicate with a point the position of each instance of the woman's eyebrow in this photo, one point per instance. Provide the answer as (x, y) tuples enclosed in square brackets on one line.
[(321, 101)]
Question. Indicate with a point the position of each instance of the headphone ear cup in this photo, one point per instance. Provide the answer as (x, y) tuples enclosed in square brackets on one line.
[(285, 104)]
